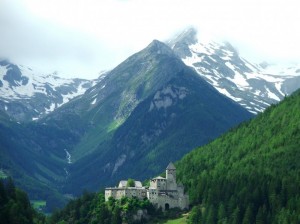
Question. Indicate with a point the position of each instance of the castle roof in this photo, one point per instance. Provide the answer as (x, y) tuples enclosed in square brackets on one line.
[(159, 177), (171, 166), (138, 184), (123, 183)]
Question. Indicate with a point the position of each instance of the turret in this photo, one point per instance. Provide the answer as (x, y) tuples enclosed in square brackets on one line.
[(171, 172)]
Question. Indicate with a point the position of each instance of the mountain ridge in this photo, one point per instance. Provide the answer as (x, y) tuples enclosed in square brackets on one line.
[(253, 86), (27, 96), (160, 91), (152, 106)]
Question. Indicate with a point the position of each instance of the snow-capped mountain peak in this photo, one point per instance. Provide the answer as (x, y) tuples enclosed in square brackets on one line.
[(253, 86), (27, 95)]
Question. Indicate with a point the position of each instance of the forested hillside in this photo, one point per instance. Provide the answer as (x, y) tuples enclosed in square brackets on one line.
[(30, 153), (92, 208), (15, 207), (250, 174)]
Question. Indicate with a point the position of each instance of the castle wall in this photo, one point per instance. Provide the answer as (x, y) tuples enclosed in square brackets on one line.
[(163, 192), (130, 192), (158, 183), (171, 184), (171, 174), (152, 193), (167, 201)]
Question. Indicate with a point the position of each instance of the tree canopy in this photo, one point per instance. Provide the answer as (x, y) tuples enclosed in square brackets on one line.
[(130, 183), (15, 207), (250, 174)]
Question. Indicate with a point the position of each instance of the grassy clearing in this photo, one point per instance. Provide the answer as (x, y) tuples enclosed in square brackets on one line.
[(38, 204), (182, 220)]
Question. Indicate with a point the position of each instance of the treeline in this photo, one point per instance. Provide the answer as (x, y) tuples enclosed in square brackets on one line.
[(15, 207), (251, 174), (92, 208)]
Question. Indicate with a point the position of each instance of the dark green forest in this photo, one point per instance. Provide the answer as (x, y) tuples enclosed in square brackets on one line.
[(15, 207), (250, 174), (92, 208)]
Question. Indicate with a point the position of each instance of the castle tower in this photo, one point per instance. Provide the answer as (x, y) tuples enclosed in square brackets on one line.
[(171, 172)]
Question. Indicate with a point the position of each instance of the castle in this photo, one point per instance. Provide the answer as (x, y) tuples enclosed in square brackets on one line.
[(163, 192)]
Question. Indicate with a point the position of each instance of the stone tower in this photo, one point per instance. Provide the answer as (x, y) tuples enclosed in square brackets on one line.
[(171, 172), (171, 177)]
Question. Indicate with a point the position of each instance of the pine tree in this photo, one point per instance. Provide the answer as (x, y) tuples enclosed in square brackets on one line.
[(211, 216), (236, 216), (10, 188), (116, 216), (195, 215), (248, 216), (221, 214)]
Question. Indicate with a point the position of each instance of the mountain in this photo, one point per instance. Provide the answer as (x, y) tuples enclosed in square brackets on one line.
[(33, 155), (150, 110), (144, 113), (30, 151), (251, 173), (253, 86), (26, 95), (248, 175)]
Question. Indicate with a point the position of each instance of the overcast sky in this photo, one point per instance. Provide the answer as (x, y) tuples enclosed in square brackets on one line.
[(79, 38)]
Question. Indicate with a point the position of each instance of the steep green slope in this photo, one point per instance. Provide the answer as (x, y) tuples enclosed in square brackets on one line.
[(33, 155), (250, 174), (145, 112), (154, 132), (103, 108), (159, 104)]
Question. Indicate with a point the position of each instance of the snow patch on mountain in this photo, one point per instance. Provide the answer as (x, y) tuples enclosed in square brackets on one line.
[(38, 83), (28, 95), (94, 101), (253, 86), (272, 95), (51, 108), (226, 93)]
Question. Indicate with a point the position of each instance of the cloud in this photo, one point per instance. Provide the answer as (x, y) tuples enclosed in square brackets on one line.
[(44, 45), (82, 37), (259, 28)]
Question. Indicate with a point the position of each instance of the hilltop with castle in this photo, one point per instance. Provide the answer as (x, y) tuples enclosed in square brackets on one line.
[(163, 192)]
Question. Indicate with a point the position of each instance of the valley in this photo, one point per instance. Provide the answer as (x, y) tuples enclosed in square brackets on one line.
[(61, 137), (247, 175)]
